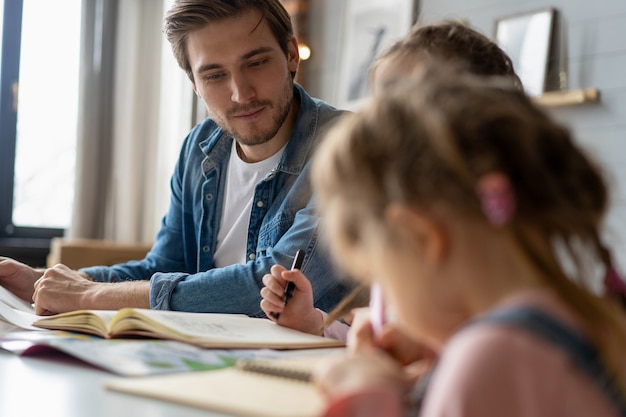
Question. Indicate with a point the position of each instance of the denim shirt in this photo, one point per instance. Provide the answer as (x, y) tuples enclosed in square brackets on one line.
[(180, 265)]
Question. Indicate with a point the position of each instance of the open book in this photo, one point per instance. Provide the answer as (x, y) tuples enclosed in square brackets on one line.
[(209, 330), (13, 301), (273, 388), (16, 311)]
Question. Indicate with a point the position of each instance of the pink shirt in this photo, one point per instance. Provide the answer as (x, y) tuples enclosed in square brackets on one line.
[(499, 370), (494, 370)]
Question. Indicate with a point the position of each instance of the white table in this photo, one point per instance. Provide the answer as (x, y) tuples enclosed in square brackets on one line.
[(55, 385)]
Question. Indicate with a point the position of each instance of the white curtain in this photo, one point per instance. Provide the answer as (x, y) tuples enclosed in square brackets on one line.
[(136, 109)]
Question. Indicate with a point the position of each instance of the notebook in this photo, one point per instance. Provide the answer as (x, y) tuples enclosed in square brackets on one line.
[(254, 388)]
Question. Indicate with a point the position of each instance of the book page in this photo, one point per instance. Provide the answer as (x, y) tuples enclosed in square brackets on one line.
[(17, 317), (232, 330), (89, 321), (15, 302)]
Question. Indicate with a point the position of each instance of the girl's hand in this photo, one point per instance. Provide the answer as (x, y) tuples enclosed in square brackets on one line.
[(416, 358), (361, 335), (300, 312), (371, 371), (392, 339)]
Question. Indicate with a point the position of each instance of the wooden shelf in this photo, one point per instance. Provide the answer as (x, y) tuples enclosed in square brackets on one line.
[(568, 97)]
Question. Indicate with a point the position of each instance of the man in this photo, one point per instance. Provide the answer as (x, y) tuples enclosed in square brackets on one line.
[(241, 199)]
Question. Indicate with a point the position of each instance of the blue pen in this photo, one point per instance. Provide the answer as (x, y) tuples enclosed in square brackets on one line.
[(291, 287)]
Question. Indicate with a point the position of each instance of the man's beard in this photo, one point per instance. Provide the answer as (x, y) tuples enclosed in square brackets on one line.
[(280, 111)]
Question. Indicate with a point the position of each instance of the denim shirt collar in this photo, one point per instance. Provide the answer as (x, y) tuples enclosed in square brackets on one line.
[(297, 150)]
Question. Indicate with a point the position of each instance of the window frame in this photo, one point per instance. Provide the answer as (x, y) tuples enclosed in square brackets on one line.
[(13, 237)]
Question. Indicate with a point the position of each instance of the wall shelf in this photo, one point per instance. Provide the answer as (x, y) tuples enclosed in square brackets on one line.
[(568, 97)]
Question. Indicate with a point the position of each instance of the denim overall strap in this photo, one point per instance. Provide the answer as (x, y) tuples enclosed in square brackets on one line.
[(582, 353)]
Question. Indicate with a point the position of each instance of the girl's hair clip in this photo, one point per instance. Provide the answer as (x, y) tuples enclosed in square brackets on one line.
[(614, 283), (496, 198)]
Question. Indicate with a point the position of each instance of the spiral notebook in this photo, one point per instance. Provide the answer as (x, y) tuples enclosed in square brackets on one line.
[(254, 388)]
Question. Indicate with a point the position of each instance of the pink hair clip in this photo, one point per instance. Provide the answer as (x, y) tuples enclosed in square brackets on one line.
[(614, 283), (496, 198)]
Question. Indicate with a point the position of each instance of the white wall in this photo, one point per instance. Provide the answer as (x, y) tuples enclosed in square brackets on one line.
[(323, 70), (597, 58)]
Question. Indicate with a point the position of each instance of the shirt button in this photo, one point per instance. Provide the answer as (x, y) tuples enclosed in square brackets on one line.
[(259, 204), (205, 249), (252, 256), (209, 197)]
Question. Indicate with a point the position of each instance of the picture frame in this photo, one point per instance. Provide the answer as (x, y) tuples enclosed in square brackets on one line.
[(370, 27), (528, 39)]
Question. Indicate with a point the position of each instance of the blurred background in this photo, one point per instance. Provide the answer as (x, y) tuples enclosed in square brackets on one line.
[(94, 108)]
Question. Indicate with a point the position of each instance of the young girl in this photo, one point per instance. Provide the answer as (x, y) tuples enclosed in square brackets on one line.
[(474, 212), (447, 40)]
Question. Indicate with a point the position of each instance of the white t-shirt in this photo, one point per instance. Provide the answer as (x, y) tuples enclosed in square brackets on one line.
[(241, 180)]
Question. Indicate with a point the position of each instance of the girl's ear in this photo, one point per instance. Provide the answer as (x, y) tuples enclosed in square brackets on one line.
[(417, 228)]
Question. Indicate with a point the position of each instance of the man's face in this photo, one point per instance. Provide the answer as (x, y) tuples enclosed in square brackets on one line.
[(243, 76)]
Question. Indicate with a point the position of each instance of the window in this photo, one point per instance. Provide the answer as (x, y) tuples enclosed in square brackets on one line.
[(38, 110), (1, 19)]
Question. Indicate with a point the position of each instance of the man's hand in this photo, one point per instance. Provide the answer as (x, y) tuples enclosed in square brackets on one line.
[(300, 313), (62, 289), (18, 278)]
